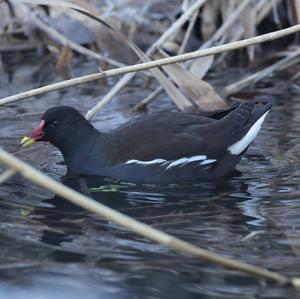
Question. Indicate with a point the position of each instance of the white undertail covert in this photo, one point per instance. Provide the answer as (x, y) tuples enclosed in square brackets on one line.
[(239, 146)]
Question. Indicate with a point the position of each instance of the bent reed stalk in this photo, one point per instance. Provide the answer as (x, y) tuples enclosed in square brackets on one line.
[(151, 64), (138, 227)]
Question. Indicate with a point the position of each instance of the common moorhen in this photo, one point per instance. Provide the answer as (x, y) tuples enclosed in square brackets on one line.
[(166, 147)]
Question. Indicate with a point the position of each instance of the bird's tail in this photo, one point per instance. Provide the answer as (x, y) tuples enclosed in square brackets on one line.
[(248, 119), (249, 112)]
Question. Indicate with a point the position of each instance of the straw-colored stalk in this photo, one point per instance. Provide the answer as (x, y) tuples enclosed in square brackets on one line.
[(268, 71), (216, 36), (168, 35), (188, 32), (150, 98), (7, 175), (66, 42), (151, 64), (136, 226)]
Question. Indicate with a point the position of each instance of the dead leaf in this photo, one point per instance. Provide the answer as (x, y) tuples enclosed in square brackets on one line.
[(108, 42), (209, 18), (201, 66), (64, 61), (200, 92)]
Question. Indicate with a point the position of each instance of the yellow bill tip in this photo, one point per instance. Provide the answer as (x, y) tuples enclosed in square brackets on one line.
[(27, 141)]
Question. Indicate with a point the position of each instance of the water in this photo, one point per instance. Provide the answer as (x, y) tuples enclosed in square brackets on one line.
[(52, 249)]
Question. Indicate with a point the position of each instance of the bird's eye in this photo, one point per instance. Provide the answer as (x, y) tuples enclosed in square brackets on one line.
[(54, 123)]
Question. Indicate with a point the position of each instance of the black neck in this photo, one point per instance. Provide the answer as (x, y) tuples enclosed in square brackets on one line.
[(84, 150)]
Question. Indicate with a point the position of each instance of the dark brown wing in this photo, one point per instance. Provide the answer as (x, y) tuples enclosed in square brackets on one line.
[(171, 136), (164, 135)]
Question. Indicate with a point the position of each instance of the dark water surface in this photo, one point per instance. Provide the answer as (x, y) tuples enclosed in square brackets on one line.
[(52, 249)]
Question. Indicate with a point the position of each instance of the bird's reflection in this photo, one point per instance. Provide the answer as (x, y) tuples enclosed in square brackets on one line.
[(158, 206)]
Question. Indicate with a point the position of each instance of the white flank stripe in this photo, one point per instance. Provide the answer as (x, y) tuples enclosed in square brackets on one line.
[(208, 161), (155, 161), (240, 146), (197, 158), (178, 162)]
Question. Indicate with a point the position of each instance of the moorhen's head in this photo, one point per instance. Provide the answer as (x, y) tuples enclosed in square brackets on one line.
[(61, 126)]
